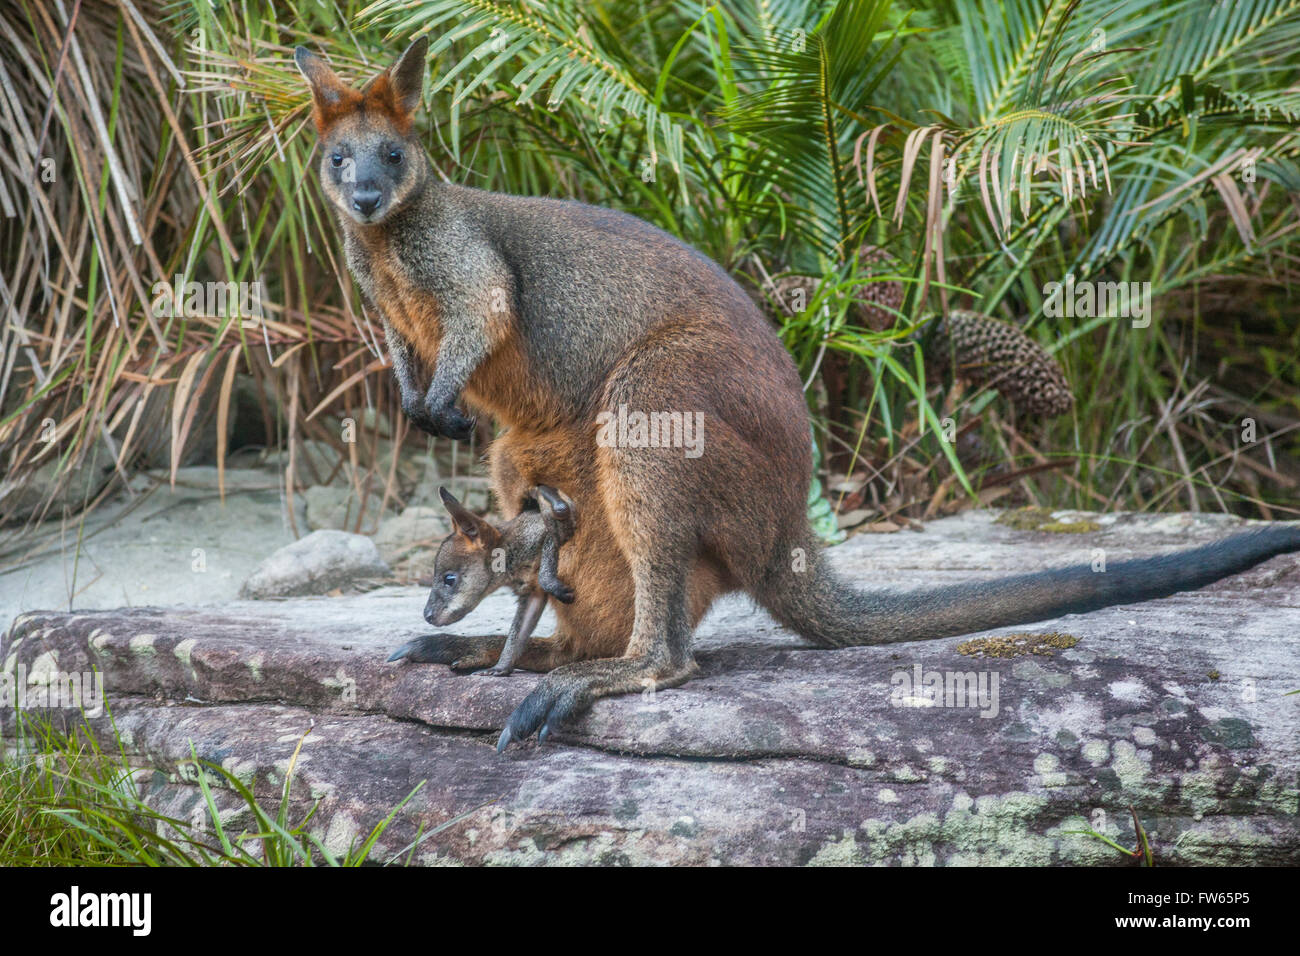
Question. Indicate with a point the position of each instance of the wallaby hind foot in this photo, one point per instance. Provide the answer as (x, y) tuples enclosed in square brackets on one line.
[(569, 690), (557, 516)]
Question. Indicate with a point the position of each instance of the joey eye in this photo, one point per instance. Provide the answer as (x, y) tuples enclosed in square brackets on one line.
[(336, 159), (449, 579), (394, 157)]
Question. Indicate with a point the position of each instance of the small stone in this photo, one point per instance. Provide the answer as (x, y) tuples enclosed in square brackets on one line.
[(317, 564), (882, 527), (851, 519)]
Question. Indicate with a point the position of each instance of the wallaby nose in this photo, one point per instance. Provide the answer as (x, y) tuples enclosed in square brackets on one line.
[(366, 201), (429, 614)]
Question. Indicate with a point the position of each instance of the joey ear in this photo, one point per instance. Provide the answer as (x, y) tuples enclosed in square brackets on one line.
[(407, 75), (467, 524), (326, 87)]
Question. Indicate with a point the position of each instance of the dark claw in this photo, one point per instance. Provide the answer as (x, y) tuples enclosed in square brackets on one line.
[(527, 717), (403, 651), (547, 708), (561, 592), (429, 649)]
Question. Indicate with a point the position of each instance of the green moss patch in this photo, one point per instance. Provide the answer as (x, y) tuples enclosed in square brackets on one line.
[(1025, 519), (1017, 645), (1040, 519), (1069, 527)]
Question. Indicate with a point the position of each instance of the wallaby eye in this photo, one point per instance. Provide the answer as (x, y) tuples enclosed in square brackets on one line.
[(336, 159), (449, 579), (394, 156)]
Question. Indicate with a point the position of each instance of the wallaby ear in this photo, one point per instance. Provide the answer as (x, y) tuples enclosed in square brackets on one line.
[(326, 87), (467, 524), (407, 75)]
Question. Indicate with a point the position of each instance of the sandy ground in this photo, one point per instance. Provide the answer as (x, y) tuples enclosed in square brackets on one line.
[(155, 546)]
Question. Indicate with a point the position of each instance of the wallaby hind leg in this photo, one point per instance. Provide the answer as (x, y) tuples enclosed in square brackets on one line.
[(557, 516), (658, 655), (526, 617)]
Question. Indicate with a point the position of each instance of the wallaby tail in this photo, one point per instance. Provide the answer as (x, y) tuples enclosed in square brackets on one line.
[(823, 607)]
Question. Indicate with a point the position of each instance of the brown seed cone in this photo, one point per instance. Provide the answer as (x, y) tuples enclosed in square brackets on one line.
[(980, 350), (872, 296), (985, 351)]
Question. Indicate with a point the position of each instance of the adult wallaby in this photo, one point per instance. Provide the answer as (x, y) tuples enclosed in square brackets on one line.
[(548, 313)]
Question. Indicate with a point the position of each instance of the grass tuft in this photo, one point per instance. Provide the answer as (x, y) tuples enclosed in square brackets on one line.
[(67, 801)]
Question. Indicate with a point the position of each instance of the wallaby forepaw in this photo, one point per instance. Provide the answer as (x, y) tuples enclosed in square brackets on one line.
[(452, 423), (421, 419), (556, 514), (496, 670)]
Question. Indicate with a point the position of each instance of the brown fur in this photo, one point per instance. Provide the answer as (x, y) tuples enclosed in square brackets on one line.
[(414, 316), (599, 620), (376, 100)]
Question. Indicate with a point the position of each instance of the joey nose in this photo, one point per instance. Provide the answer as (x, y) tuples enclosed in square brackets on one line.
[(365, 201)]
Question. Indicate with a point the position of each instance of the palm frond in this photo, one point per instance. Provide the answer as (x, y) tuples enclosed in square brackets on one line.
[(811, 95), (553, 49)]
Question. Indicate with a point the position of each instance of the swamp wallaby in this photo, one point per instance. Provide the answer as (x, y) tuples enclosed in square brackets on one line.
[(478, 557), (558, 318)]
